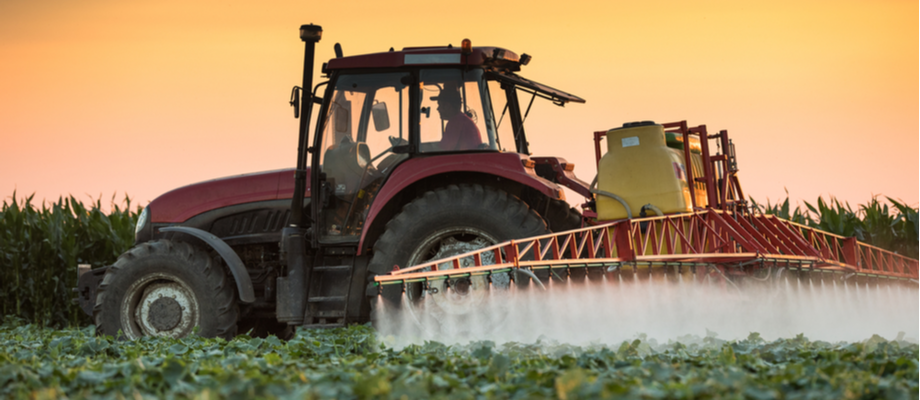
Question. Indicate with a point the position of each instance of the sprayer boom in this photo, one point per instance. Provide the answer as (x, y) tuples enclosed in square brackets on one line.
[(709, 243)]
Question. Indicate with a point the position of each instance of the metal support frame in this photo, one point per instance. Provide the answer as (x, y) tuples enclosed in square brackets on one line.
[(734, 243)]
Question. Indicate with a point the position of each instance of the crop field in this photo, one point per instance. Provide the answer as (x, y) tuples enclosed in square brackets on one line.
[(355, 363), (633, 348)]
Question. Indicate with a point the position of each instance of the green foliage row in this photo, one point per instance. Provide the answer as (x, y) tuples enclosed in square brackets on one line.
[(350, 363), (895, 228), (40, 248)]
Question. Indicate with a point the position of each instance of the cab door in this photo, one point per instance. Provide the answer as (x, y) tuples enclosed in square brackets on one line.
[(367, 115)]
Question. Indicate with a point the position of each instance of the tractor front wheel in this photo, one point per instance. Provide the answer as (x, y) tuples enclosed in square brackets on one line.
[(166, 288)]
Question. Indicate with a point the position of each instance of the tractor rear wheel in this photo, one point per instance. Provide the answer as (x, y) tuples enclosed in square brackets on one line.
[(445, 222), (166, 288)]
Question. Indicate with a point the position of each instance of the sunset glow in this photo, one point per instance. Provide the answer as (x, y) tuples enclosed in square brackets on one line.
[(103, 97)]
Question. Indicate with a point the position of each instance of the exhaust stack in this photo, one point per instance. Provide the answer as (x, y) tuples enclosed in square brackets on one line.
[(310, 34), (292, 289)]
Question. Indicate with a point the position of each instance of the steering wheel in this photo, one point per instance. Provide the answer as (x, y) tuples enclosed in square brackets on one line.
[(395, 141)]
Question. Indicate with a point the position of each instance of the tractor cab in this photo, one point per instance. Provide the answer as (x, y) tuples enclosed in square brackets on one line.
[(382, 109)]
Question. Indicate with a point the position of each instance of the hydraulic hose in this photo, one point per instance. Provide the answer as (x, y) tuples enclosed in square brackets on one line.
[(532, 275), (652, 207), (712, 267), (612, 196)]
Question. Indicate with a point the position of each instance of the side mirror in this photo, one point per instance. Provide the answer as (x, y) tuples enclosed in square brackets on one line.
[(381, 116), (295, 101)]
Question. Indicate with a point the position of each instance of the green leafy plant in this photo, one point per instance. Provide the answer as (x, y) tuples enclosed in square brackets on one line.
[(352, 363)]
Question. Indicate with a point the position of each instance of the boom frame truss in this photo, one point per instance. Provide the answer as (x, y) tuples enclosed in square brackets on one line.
[(730, 242)]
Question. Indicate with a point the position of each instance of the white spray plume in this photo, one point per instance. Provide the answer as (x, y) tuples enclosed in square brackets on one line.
[(611, 312)]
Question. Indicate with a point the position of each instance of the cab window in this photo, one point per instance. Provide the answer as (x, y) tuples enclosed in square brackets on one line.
[(455, 112)]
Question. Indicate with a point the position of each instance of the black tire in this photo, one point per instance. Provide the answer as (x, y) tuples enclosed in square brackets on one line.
[(166, 288), (561, 217), (476, 215)]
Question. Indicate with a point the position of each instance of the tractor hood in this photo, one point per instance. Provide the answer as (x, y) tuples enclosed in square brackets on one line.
[(185, 202)]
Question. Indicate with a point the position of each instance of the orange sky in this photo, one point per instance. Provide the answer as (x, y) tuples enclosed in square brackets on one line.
[(140, 97)]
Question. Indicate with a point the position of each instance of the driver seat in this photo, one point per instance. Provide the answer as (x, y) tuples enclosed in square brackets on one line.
[(345, 164)]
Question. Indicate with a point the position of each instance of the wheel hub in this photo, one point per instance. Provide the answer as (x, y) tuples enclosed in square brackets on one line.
[(462, 285), (159, 305), (165, 313)]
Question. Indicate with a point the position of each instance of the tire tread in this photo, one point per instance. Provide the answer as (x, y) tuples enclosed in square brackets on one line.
[(221, 292)]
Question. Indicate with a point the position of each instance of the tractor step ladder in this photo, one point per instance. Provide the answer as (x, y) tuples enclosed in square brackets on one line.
[(328, 291)]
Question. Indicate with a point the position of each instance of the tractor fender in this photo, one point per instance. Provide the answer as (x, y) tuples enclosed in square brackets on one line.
[(511, 166), (243, 282)]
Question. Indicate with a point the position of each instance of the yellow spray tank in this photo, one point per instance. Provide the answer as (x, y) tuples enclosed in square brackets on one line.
[(640, 169)]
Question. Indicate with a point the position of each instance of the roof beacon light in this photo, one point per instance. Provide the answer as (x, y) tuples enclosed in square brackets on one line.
[(466, 46)]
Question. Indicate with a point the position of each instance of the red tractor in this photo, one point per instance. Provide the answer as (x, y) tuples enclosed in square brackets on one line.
[(416, 155)]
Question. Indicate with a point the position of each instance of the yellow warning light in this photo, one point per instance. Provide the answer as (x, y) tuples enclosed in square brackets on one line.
[(466, 46)]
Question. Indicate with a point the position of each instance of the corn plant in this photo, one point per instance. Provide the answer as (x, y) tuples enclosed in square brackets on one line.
[(782, 210), (905, 227), (833, 217), (41, 248), (879, 224), (891, 228)]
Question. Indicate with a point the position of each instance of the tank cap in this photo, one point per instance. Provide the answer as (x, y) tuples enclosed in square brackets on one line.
[(638, 123)]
